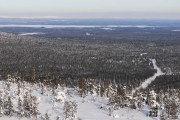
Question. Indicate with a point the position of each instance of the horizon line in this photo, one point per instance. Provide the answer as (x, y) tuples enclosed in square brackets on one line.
[(57, 17)]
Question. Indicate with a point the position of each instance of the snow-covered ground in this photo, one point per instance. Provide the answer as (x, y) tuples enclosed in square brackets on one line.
[(33, 33), (91, 107)]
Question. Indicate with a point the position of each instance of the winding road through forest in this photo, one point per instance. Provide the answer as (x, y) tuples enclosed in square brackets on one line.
[(152, 78)]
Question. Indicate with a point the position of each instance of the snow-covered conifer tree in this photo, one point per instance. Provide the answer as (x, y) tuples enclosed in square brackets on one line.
[(151, 101), (9, 110), (20, 108), (1, 107), (82, 87), (34, 108), (70, 109), (171, 108)]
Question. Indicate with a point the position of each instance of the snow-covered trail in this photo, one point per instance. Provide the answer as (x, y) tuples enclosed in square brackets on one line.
[(151, 79)]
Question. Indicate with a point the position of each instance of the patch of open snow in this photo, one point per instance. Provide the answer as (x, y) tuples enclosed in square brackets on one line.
[(33, 33), (116, 116), (88, 34), (176, 30), (143, 54), (107, 28)]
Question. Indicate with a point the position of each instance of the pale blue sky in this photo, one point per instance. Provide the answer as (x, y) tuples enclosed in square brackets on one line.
[(91, 8)]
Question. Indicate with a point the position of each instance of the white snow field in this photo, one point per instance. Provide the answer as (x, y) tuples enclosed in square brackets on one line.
[(90, 110), (33, 33)]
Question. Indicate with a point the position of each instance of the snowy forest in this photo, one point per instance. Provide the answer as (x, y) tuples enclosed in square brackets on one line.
[(129, 73), (48, 100)]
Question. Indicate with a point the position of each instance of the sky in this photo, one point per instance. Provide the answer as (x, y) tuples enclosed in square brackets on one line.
[(90, 8)]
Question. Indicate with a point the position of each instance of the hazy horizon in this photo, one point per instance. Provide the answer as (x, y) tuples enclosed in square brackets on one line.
[(128, 9)]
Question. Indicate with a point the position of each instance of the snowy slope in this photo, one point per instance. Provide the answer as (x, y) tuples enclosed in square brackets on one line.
[(91, 107)]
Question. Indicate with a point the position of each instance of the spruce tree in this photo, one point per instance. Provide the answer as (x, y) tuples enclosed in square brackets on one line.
[(82, 87), (9, 107), (70, 109), (34, 108), (1, 107), (20, 108), (171, 108)]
